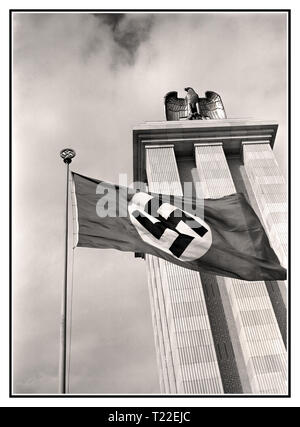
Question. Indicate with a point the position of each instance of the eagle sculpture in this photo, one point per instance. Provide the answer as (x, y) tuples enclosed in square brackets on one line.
[(192, 107)]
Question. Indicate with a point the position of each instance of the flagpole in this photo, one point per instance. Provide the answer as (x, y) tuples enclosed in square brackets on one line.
[(67, 155)]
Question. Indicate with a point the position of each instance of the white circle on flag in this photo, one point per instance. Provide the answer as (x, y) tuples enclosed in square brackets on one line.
[(162, 234)]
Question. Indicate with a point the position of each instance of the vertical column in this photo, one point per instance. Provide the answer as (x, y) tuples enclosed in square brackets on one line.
[(157, 328), (265, 186), (262, 348), (269, 189), (188, 349)]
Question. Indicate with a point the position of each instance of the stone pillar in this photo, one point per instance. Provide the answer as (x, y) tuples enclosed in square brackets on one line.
[(158, 328), (269, 188), (260, 348), (187, 357)]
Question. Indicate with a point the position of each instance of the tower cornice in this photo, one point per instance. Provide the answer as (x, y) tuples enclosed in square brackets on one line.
[(184, 134)]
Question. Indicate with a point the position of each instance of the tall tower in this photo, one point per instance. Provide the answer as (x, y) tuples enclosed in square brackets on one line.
[(216, 335)]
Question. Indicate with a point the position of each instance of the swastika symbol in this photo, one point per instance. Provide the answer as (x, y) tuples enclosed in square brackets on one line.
[(172, 230)]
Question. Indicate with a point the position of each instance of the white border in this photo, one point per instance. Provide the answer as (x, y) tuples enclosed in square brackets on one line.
[(147, 401)]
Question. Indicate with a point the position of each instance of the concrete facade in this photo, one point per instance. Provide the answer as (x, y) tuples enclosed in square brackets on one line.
[(217, 335)]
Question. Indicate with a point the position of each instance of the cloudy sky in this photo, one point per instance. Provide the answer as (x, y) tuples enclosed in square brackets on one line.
[(84, 80)]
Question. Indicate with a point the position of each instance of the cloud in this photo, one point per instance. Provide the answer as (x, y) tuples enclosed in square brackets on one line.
[(129, 32)]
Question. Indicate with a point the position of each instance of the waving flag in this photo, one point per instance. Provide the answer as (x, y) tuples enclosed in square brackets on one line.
[(228, 241)]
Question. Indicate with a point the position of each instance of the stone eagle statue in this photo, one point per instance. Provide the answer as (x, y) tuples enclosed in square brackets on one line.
[(192, 107)]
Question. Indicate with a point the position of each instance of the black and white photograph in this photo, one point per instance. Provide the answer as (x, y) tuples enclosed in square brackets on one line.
[(150, 208)]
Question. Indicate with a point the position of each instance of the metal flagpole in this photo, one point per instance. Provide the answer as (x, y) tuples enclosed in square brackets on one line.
[(67, 155)]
